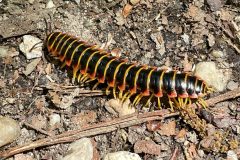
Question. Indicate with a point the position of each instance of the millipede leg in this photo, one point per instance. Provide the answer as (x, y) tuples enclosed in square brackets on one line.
[(203, 103), (114, 92), (137, 99), (140, 97), (90, 80), (95, 85), (107, 90), (170, 103), (148, 101), (159, 103), (180, 100), (79, 77), (63, 65), (127, 95), (185, 101), (120, 94), (177, 103)]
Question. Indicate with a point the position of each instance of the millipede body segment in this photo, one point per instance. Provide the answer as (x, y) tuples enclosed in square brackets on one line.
[(90, 63)]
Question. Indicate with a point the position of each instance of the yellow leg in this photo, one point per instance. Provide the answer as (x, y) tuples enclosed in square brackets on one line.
[(107, 90), (177, 103), (137, 98), (159, 103), (63, 65), (203, 103), (186, 101), (170, 103), (140, 97), (90, 80), (83, 78), (114, 92), (79, 77), (120, 94), (148, 101), (127, 95), (95, 86), (180, 100)]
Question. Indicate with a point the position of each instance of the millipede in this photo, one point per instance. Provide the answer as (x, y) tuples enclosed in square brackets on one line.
[(125, 80), (92, 63)]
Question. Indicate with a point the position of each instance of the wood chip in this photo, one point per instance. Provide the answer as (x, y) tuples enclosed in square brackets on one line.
[(127, 10), (147, 146)]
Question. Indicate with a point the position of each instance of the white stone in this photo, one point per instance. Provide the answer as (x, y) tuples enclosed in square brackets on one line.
[(54, 119), (50, 4), (185, 38), (81, 149), (31, 47), (3, 51), (232, 85), (213, 76), (134, 2), (122, 155), (231, 155), (217, 54), (9, 130)]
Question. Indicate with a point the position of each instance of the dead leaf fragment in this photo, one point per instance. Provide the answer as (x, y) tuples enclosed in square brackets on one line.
[(31, 66), (84, 118), (153, 125), (147, 146), (127, 10), (195, 13), (181, 134), (168, 129), (164, 20), (192, 151), (119, 18)]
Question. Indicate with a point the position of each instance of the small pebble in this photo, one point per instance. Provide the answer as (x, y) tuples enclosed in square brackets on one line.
[(185, 38), (217, 54), (31, 47), (213, 76), (54, 119), (214, 5), (3, 51), (31, 66), (9, 130), (134, 2), (122, 155), (50, 4), (232, 85), (81, 149), (231, 155), (31, 1)]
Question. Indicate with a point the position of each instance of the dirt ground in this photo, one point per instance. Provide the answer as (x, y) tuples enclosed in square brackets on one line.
[(153, 32)]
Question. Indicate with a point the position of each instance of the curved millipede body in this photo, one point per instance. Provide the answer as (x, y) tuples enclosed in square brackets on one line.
[(91, 63), (129, 79)]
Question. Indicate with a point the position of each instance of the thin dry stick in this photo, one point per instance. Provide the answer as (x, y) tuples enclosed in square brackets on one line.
[(106, 127), (223, 97), (95, 129)]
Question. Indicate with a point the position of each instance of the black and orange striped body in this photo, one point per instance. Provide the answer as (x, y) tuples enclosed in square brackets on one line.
[(98, 64)]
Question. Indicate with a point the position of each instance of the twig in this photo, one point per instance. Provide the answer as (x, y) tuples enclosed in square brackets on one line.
[(95, 129), (223, 97), (175, 154)]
